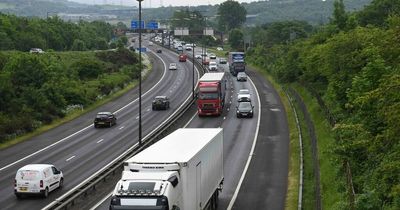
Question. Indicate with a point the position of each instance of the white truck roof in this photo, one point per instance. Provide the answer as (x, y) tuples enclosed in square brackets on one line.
[(208, 77), (178, 147)]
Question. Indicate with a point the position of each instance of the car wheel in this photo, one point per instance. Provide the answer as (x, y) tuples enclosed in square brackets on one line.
[(46, 193), (110, 124), (61, 184), (95, 125)]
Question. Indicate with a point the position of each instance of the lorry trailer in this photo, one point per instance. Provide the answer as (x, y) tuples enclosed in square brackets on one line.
[(184, 170)]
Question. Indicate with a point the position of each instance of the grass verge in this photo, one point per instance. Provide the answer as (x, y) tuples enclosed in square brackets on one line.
[(76, 113), (294, 147), (330, 192), (68, 118)]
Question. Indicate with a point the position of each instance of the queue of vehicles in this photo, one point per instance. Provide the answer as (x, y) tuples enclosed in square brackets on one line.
[(171, 179)]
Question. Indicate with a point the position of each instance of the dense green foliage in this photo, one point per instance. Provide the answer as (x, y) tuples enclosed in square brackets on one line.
[(36, 89), (355, 70), (19, 33), (230, 15)]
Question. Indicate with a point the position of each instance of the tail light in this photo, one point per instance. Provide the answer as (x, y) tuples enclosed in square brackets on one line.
[(41, 183), (15, 182)]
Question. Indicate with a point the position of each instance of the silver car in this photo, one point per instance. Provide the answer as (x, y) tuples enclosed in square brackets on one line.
[(241, 76)]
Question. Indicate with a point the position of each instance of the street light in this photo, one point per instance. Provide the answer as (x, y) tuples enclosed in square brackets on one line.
[(140, 74)]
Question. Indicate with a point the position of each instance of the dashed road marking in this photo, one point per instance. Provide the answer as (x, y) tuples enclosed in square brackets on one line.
[(100, 140), (122, 127), (275, 110), (137, 117), (70, 158)]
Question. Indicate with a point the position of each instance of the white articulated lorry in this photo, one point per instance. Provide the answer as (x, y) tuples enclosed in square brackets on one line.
[(182, 171)]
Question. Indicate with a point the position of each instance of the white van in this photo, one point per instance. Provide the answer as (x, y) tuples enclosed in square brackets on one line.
[(37, 179)]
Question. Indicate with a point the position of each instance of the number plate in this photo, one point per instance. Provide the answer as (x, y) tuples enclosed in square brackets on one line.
[(23, 189)]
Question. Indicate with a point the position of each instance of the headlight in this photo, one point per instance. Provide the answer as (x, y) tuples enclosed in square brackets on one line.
[(237, 111), (251, 111)]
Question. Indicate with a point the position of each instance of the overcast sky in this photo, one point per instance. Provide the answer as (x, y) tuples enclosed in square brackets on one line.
[(158, 3)]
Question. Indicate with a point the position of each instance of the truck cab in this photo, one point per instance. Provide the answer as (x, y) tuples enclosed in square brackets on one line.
[(148, 190), (182, 57)]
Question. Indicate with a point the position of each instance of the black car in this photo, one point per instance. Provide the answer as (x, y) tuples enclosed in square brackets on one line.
[(159, 50), (244, 109), (223, 61), (160, 102), (105, 119)]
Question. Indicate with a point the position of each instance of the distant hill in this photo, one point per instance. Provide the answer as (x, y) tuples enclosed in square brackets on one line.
[(312, 11)]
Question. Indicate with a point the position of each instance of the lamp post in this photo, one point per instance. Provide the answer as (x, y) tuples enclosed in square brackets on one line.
[(140, 74), (193, 57)]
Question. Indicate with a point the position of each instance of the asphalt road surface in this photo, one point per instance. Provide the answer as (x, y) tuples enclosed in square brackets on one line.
[(79, 149), (255, 149)]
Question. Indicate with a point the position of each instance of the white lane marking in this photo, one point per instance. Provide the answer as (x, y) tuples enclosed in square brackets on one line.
[(93, 175), (190, 120), (148, 110), (70, 158), (137, 117), (100, 140), (227, 109), (225, 117), (275, 110), (122, 127), (89, 126), (101, 201), (250, 154)]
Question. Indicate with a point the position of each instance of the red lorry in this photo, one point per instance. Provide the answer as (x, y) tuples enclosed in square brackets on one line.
[(211, 94), (182, 57)]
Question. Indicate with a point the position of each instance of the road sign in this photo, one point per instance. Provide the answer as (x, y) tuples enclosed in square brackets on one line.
[(152, 25), (135, 24), (143, 49)]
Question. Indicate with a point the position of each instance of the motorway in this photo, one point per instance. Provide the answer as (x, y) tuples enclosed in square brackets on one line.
[(80, 150), (255, 149), (255, 177)]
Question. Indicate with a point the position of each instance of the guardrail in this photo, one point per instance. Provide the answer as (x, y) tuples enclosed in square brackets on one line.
[(66, 200)]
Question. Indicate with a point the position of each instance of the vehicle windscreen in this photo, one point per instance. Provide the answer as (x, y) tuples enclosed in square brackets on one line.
[(101, 116), (205, 96), (28, 175), (244, 106)]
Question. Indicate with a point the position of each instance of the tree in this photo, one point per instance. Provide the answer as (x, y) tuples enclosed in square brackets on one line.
[(236, 39), (231, 15), (78, 45), (339, 14)]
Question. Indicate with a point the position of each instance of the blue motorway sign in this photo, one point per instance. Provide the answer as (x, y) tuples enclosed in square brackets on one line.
[(152, 25), (135, 24), (142, 50)]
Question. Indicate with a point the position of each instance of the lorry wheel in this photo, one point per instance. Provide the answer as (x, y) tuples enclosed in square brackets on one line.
[(19, 196)]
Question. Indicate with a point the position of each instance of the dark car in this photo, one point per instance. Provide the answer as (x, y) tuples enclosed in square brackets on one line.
[(160, 102), (244, 109), (159, 50), (223, 61), (105, 119)]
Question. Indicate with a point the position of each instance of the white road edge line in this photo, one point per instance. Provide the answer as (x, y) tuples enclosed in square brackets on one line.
[(106, 197), (89, 126), (250, 154), (72, 157), (102, 201)]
